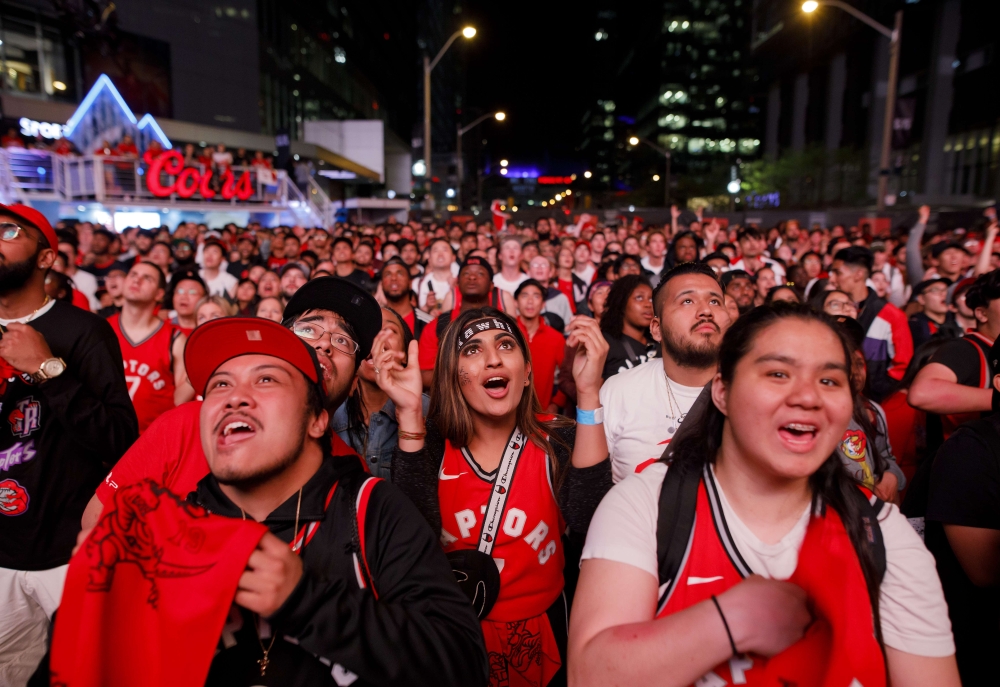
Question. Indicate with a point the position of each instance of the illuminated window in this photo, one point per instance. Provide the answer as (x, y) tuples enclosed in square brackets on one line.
[(609, 105), (696, 146), (609, 135)]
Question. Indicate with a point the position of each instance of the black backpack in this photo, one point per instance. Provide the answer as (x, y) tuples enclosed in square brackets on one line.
[(675, 525)]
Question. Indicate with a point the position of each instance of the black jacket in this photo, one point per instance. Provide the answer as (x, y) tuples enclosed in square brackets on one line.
[(59, 438), (420, 631)]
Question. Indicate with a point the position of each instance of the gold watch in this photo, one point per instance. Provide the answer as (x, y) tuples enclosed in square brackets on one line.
[(50, 369)]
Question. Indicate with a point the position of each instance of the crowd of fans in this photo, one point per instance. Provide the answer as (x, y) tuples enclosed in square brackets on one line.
[(872, 359)]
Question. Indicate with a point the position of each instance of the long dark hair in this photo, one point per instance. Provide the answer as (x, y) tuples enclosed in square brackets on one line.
[(449, 409), (613, 319), (701, 437), (357, 428)]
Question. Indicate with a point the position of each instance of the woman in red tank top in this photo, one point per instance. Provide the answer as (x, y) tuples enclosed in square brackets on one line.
[(760, 451), (501, 482)]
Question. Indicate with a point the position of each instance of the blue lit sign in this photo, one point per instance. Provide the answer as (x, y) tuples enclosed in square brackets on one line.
[(105, 114)]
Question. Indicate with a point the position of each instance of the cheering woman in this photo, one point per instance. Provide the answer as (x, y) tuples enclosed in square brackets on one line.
[(500, 481), (754, 558)]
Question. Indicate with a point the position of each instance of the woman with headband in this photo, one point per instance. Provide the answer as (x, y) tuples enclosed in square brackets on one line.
[(500, 481)]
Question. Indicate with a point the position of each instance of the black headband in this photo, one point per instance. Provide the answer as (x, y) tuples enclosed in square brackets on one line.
[(482, 325)]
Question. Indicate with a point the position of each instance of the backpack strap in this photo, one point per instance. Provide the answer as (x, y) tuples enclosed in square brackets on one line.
[(360, 510), (675, 521), (869, 515)]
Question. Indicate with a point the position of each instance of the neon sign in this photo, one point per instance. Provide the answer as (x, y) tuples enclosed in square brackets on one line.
[(555, 180), (190, 180), (30, 127)]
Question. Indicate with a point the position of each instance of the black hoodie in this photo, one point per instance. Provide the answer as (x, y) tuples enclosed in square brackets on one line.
[(421, 630)]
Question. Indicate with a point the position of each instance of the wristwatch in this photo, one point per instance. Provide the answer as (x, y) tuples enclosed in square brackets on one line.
[(50, 369)]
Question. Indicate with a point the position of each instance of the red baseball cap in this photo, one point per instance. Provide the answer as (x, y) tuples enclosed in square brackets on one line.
[(35, 219), (217, 341)]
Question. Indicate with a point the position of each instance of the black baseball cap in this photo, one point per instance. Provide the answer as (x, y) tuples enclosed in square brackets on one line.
[(922, 286), (732, 275), (358, 308), (477, 260), (938, 248)]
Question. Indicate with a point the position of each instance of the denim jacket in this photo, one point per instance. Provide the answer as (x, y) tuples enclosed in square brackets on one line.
[(382, 436)]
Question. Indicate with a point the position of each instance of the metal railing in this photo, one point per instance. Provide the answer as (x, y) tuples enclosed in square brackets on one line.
[(26, 174)]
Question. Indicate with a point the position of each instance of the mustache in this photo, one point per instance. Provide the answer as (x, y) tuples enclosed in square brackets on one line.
[(706, 320), (235, 413)]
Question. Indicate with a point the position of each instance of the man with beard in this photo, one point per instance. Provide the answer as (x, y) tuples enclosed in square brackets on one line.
[(66, 412), (101, 257), (397, 287), (384, 611), (644, 406), (293, 276), (338, 319), (740, 289)]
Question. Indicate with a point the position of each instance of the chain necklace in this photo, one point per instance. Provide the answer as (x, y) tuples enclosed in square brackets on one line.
[(27, 318), (264, 661), (676, 416)]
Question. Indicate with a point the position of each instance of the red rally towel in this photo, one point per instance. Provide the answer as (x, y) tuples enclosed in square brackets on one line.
[(148, 592)]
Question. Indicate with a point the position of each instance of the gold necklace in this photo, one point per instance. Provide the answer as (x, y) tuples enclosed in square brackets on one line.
[(27, 318), (264, 661)]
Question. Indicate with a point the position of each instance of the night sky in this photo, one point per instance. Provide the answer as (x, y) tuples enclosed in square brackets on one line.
[(530, 59)]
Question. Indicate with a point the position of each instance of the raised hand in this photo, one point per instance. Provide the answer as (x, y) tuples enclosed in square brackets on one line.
[(924, 214), (591, 352), (400, 381)]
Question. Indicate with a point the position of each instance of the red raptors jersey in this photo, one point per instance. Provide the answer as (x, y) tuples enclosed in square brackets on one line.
[(528, 550), (148, 370), (840, 646)]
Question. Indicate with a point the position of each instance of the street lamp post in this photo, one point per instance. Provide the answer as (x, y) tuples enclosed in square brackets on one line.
[(429, 65), (634, 141), (462, 130), (894, 35)]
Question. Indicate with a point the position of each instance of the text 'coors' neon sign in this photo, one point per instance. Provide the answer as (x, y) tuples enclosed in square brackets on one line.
[(190, 180)]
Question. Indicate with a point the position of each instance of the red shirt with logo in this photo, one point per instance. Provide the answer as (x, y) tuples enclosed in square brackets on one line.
[(149, 370), (528, 550)]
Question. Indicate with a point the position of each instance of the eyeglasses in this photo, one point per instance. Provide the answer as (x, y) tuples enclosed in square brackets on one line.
[(310, 331), (840, 306), (10, 231)]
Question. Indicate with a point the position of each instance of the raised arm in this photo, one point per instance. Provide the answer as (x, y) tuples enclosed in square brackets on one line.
[(914, 259), (983, 263)]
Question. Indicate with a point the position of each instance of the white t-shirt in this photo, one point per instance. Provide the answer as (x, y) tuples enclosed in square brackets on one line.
[(440, 288), (224, 283), (779, 271), (587, 275), (510, 286), (655, 270), (639, 421), (86, 283), (911, 603)]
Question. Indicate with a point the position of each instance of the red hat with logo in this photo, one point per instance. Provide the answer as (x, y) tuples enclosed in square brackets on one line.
[(35, 219), (218, 341)]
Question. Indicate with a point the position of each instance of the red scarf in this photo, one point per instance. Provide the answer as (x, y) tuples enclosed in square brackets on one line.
[(148, 592)]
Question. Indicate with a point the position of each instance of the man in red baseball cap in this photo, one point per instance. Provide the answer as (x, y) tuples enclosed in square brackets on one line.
[(337, 318), (348, 563), (66, 413)]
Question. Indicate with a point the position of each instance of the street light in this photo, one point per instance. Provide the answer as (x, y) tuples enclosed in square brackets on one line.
[(462, 130), (429, 65), (634, 141), (894, 35), (587, 175)]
